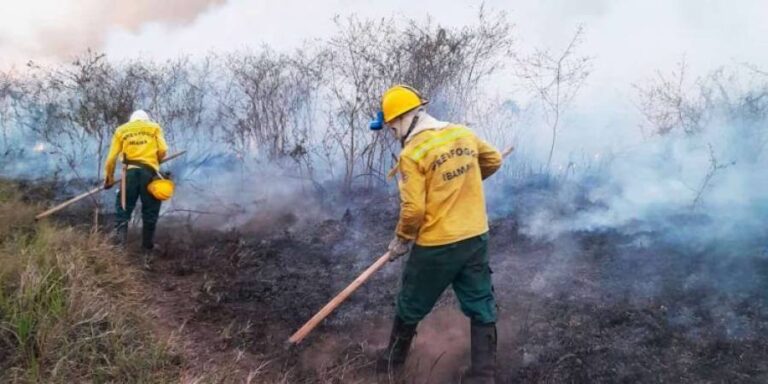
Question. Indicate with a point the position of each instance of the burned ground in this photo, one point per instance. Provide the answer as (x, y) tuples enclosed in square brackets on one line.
[(581, 308), (584, 307), (619, 310)]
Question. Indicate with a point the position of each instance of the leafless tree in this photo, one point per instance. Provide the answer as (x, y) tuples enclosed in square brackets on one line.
[(735, 93), (556, 79), (306, 110), (736, 99), (715, 166), (676, 102), (446, 64), (669, 102), (74, 109), (268, 101), (71, 106)]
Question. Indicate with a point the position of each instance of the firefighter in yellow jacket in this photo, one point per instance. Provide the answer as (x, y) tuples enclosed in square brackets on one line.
[(142, 144), (443, 217)]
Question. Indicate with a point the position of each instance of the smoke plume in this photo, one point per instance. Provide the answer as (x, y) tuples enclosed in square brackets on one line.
[(54, 30)]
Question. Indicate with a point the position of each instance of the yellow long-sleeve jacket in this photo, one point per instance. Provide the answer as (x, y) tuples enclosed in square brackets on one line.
[(441, 185), (139, 140)]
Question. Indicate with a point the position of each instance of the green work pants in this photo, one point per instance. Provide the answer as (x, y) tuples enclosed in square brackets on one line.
[(136, 181), (429, 271)]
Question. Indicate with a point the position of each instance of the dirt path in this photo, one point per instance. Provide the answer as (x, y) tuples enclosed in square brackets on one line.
[(205, 348)]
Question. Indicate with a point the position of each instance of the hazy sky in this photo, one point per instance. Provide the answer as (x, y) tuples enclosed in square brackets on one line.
[(626, 36), (630, 39)]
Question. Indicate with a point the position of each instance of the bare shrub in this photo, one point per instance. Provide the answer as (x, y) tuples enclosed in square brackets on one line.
[(446, 64), (555, 78), (268, 101), (306, 111), (669, 103)]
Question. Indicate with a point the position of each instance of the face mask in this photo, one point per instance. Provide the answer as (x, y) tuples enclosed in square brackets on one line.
[(403, 126)]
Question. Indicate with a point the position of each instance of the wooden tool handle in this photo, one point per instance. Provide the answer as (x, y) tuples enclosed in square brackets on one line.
[(507, 151), (69, 202), (91, 192), (171, 157), (123, 186), (336, 301)]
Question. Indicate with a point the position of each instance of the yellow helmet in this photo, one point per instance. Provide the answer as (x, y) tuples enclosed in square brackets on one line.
[(399, 100), (161, 189)]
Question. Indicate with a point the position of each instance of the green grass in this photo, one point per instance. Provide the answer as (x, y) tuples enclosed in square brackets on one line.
[(69, 307)]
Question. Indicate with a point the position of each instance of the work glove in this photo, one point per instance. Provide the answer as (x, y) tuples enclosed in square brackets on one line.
[(109, 182), (398, 247)]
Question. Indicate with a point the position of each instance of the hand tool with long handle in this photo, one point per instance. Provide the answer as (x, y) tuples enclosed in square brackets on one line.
[(336, 301), (507, 151), (123, 185), (344, 294), (91, 192)]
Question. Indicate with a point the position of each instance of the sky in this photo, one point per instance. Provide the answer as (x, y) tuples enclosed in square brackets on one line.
[(630, 39), (627, 36)]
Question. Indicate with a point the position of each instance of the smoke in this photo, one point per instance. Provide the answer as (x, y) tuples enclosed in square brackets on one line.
[(252, 196), (714, 174), (53, 30), (681, 187)]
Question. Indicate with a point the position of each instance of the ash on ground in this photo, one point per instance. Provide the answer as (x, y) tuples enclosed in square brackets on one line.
[(587, 307)]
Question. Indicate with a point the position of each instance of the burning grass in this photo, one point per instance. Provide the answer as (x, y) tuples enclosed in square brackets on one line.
[(69, 307)]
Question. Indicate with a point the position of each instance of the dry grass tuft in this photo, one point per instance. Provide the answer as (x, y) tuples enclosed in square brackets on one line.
[(69, 308)]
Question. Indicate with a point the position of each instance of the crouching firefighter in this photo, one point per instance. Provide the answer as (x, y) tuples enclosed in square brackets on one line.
[(143, 147), (443, 217)]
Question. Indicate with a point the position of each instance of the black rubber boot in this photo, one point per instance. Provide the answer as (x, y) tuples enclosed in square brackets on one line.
[(120, 236), (147, 257), (483, 368), (147, 237), (400, 340), (147, 245)]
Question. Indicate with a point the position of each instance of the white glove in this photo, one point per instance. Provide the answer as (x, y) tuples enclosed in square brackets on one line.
[(398, 247)]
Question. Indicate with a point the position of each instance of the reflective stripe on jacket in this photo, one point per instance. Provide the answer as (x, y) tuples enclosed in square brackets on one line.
[(139, 141), (441, 186)]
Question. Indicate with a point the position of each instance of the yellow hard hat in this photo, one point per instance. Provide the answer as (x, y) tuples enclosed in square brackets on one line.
[(161, 189), (399, 100)]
